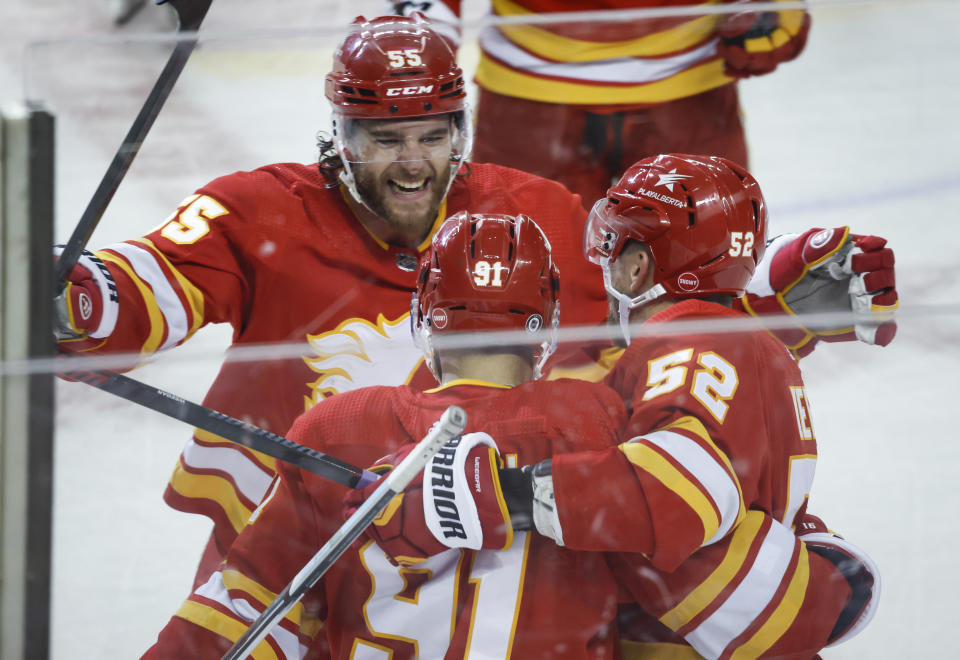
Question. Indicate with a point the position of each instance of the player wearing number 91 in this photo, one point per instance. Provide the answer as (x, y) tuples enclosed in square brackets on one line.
[(513, 593)]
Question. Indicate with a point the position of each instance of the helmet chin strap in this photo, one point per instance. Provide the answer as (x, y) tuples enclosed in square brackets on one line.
[(625, 304)]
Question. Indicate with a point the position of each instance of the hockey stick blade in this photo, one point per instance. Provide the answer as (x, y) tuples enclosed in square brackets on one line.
[(450, 425), (227, 427), (190, 13)]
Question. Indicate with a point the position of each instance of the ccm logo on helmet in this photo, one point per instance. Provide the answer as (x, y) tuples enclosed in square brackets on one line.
[(413, 90), (441, 480), (688, 281)]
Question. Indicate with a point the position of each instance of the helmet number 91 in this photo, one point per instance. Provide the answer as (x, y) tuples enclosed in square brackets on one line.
[(487, 274), (741, 244), (406, 57)]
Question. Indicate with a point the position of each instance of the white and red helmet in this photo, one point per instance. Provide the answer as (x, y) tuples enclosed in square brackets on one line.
[(487, 272), (703, 218), (395, 67)]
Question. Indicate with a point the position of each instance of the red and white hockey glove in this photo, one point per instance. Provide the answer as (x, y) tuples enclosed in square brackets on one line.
[(824, 271), (86, 310), (456, 503), (753, 43), (857, 568)]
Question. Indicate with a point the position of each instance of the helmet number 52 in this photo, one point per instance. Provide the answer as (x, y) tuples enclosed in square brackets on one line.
[(406, 57), (741, 244)]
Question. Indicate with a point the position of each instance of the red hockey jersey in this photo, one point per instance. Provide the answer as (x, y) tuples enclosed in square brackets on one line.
[(719, 434), (279, 255), (640, 61), (532, 600)]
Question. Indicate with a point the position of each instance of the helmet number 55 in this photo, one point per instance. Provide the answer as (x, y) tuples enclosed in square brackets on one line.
[(406, 57), (741, 244)]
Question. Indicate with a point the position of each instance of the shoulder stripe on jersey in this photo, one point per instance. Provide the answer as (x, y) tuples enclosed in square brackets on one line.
[(743, 537), (783, 616), (211, 487), (152, 342), (192, 294), (754, 593), (147, 269), (251, 481), (223, 625)]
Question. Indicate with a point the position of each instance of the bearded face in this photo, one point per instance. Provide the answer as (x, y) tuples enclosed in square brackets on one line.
[(401, 169)]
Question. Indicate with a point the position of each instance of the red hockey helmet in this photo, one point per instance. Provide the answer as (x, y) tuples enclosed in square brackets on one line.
[(394, 66), (702, 217), (487, 272)]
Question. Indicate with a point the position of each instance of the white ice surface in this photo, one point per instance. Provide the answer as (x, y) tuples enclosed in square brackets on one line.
[(861, 130)]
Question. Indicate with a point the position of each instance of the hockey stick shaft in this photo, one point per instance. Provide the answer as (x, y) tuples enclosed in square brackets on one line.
[(227, 427), (190, 14), (451, 424)]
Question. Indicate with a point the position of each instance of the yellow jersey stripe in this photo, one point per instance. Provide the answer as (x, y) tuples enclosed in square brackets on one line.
[(657, 651), (782, 616), (225, 626), (268, 462), (190, 292), (157, 322), (555, 47), (707, 591), (297, 616), (510, 82), (644, 457), (211, 487)]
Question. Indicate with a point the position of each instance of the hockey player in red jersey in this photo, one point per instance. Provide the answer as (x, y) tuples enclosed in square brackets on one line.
[(324, 258), (509, 593), (578, 101), (699, 500)]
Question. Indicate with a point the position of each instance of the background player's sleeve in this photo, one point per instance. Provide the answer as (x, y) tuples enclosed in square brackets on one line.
[(280, 538)]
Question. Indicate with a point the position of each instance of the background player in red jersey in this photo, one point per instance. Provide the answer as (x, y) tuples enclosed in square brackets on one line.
[(578, 101), (720, 451), (324, 258)]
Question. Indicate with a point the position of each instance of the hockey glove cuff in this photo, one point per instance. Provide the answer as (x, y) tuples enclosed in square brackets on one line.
[(825, 271), (754, 43), (857, 568), (88, 306), (528, 492)]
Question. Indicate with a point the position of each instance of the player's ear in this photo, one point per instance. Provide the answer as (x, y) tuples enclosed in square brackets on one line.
[(641, 271)]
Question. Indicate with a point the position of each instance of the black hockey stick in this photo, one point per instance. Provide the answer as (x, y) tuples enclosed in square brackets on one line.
[(190, 14), (450, 425), (227, 427)]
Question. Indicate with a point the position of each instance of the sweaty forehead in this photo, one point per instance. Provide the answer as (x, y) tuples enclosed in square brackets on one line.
[(404, 126)]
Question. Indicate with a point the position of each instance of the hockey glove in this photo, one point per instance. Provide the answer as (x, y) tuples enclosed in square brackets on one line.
[(528, 492), (856, 567), (753, 43), (456, 503), (86, 310), (827, 271)]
